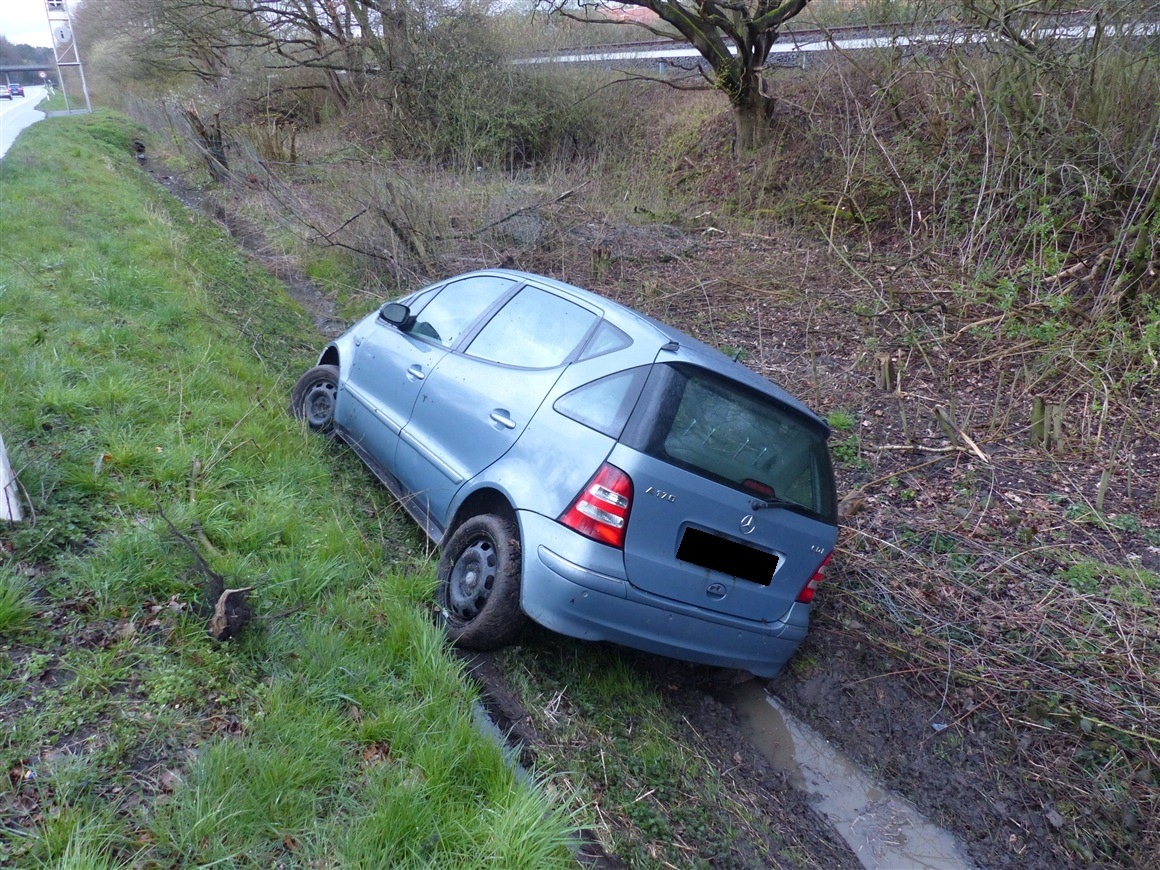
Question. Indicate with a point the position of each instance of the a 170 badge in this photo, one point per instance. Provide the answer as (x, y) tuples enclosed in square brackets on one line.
[(660, 493)]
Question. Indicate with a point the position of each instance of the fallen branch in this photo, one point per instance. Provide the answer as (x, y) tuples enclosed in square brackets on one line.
[(954, 429), (230, 612), (953, 448)]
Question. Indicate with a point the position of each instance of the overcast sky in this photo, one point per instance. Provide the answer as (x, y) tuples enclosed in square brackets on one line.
[(24, 22)]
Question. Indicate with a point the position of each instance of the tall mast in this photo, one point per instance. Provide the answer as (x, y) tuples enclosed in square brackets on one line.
[(64, 47)]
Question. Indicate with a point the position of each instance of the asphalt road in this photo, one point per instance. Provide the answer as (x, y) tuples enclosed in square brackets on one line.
[(18, 113)]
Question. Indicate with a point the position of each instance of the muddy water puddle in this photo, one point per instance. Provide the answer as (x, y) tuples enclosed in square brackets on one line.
[(885, 831)]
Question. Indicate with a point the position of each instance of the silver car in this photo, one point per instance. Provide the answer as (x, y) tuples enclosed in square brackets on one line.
[(588, 467)]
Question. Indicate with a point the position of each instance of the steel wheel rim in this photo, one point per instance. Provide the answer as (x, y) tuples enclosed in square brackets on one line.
[(472, 579), (319, 404)]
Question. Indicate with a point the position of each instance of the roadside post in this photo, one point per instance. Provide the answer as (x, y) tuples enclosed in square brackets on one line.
[(10, 509)]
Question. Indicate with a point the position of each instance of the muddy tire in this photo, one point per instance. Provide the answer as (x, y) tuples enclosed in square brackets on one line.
[(479, 584), (313, 398)]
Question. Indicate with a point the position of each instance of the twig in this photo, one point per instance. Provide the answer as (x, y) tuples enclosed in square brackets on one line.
[(1011, 351), (912, 448), (347, 222), (563, 196), (947, 682), (199, 563), (903, 471)]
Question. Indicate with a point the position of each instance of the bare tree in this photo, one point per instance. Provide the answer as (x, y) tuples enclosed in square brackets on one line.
[(160, 40), (343, 40), (733, 36)]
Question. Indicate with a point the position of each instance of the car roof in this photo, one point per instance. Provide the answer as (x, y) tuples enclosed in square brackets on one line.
[(681, 346)]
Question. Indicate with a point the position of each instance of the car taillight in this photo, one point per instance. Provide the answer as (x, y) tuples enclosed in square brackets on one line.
[(807, 593), (601, 509)]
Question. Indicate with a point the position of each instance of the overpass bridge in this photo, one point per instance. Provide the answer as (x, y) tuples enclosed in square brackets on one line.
[(24, 73)]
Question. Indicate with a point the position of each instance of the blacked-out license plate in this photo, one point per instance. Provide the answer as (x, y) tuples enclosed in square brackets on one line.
[(728, 557)]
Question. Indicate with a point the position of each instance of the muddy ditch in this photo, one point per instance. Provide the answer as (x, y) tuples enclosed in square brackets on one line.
[(882, 828)]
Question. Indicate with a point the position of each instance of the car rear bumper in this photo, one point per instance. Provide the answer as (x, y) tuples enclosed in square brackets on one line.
[(594, 601)]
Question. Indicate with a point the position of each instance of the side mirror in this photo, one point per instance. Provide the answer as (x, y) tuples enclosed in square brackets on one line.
[(397, 314)]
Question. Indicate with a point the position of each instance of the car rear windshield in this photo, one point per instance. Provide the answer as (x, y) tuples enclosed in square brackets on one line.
[(720, 429)]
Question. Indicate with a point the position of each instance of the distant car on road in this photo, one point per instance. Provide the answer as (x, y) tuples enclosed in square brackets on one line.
[(16, 89), (5, 92), (588, 467)]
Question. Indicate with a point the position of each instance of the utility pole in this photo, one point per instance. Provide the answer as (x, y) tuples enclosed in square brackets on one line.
[(64, 47)]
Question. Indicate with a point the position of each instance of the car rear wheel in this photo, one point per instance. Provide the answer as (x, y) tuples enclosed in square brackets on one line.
[(479, 583), (313, 398)]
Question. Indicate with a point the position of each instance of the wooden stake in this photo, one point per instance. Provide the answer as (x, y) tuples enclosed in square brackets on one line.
[(601, 259), (1038, 420), (906, 433), (886, 373)]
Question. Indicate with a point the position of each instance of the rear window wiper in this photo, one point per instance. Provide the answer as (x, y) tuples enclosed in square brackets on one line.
[(760, 504)]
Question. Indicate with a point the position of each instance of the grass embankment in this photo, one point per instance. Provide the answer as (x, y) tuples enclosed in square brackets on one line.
[(145, 372), (57, 102)]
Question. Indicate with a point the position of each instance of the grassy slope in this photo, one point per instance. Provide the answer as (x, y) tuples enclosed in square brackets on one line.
[(145, 369)]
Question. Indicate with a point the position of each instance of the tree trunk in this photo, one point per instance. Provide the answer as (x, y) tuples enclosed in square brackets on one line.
[(210, 143), (752, 116)]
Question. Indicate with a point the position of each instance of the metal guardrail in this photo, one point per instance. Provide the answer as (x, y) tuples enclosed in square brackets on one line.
[(793, 44)]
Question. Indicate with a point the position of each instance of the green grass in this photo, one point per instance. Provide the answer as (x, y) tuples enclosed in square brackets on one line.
[(147, 366), (1130, 586), (662, 799), (16, 605), (55, 102), (841, 421), (848, 451)]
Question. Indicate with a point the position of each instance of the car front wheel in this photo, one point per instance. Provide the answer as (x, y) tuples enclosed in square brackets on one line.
[(314, 396), (479, 583)]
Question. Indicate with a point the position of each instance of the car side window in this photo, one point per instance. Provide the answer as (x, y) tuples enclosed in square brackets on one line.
[(443, 319), (604, 404), (606, 339), (535, 330)]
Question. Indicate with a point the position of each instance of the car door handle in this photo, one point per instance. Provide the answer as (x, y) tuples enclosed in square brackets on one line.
[(501, 417), (415, 373)]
